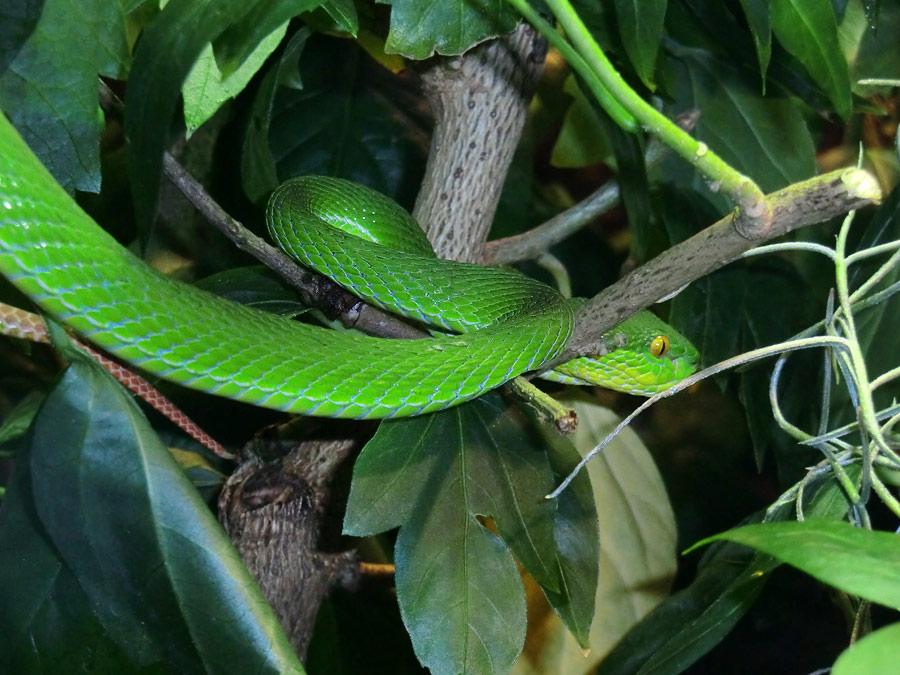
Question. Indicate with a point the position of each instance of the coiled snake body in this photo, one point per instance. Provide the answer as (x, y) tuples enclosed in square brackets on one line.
[(507, 324)]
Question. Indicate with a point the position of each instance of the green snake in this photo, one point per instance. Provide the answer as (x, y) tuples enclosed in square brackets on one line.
[(496, 323)]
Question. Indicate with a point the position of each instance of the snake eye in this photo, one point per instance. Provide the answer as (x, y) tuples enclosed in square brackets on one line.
[(659, 346)]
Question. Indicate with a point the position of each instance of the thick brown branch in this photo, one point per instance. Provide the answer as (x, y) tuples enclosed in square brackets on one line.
[(806, 203), (479, 101)]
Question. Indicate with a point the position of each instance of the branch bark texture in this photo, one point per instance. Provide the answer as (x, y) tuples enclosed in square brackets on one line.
[(807, 203), (479, 101)]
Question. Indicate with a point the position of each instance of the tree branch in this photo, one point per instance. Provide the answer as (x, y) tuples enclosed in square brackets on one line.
[(806, 203), (314, 289), (479, 101), (535, 242)]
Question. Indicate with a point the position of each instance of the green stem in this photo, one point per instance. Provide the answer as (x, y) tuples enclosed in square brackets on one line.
[(606, 100), (755, 211), (866, 403)]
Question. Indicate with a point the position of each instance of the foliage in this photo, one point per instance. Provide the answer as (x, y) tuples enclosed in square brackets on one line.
[(127, 571)]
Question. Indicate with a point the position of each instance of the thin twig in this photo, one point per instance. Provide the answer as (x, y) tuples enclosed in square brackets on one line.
[(314, 289)]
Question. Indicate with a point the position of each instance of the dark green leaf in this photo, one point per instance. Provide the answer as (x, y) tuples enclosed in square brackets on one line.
[(258, 173), (18, 19), (19, 419), (808, 30), (165, 54), (160, 573), (692, 621), (419, 28), (875, 653), (51, 97), (765, 323), (765, 138), (240, 39), (759, 18), (856, 561), (483, 447), (255, 286), (640, 27), (433, 475), (45, 617), (338, 124), (458, 587)]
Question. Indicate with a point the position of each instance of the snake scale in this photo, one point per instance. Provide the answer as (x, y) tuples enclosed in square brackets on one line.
[(500, 324)]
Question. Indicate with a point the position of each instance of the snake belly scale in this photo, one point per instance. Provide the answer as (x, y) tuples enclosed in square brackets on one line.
[(508, 324)]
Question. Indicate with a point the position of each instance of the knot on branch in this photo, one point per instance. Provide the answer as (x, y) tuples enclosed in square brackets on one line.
[(753, 216)]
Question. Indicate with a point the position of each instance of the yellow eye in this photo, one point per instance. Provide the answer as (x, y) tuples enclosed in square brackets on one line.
[(659, 346)]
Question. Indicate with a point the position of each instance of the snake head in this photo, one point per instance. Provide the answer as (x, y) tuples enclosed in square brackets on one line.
[(645, 356)]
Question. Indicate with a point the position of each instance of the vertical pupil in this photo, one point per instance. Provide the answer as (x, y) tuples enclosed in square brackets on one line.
[(659, 346)]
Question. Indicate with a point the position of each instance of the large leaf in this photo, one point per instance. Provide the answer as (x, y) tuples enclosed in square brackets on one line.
[(159, 572), (765, 138), (206, 88), (808, 30), (339, 124), (18, 19), (419, 28), (875, 653), (166, 53), (49, 91), (458, 588), (640, 27), (854, 560), (45, 617), (637, 548)]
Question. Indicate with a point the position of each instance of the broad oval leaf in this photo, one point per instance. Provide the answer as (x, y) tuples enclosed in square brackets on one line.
[(46, 618), (875, 653), (764, 138), (51, 97), (420, 28), (436, 476), (160, 573), (637, 548)]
